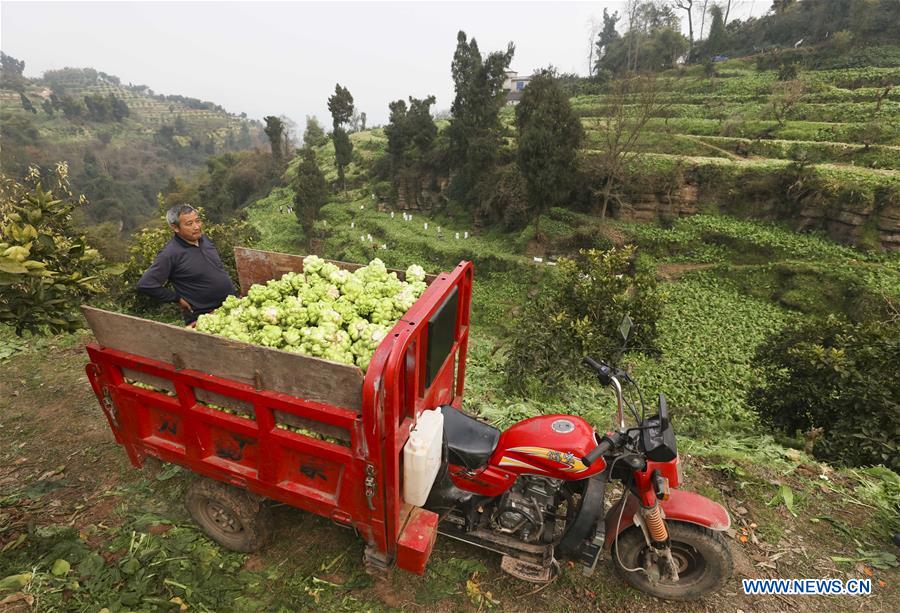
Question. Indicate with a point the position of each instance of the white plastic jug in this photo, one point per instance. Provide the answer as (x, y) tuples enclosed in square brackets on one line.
[(422, 456)]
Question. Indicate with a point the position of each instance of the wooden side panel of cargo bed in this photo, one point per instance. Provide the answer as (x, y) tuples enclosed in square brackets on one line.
[(280, 371), (255, 266)]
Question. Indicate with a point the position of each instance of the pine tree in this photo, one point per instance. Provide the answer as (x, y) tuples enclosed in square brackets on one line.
[(310, 193), (475, 127), (343, 153), (549, 137), (341, 107), (275, 131), (314, 135), (717, 34)]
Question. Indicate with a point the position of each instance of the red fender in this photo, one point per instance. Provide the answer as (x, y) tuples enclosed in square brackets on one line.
[(681, 506)]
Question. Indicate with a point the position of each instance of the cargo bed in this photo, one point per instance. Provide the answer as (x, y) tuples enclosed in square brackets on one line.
[(309, 432)]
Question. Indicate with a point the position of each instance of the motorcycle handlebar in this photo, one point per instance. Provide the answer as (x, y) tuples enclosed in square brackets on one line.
[(602, 449), (588, 360), (607, 376), (604, 372)]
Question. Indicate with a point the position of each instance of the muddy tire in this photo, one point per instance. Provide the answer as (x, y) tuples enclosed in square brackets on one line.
[(234, 518), (702, 556)]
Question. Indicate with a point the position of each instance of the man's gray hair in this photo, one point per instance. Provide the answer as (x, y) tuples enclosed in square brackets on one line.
[(175, 213)]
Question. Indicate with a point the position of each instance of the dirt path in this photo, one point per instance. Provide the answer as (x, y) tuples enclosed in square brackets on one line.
[(60, 467)]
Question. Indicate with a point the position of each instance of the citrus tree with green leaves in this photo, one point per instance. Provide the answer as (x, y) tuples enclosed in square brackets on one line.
[(577, 311), (47, 269)]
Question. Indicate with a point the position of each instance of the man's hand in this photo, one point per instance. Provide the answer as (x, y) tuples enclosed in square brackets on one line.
[(185, 306)]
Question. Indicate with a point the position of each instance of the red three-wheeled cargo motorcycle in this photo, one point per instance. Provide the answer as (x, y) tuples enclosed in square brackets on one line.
[(392, 455)]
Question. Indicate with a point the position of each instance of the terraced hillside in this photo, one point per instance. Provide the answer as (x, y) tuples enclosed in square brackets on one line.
[(119, 155), (821, 150), (147, 110)]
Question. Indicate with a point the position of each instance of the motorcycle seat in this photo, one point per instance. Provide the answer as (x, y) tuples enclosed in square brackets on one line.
[(470, 442)]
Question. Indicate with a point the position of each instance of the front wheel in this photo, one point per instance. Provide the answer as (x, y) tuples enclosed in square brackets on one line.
[(701, 555)]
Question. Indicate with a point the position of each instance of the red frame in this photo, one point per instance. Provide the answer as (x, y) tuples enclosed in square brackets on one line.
[(358, 486)]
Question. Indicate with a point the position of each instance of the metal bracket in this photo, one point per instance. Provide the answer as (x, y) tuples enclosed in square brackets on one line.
[(639, 520), (370, 486), (109, 407)]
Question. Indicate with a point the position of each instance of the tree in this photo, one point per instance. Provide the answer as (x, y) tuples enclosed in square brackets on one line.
[(702, 10), (716, 41), (475, 126), (310, 193), (275, 131), (837, 377), (46, 268), (630, 104), (549, 137), (362, 121), (11, 72), (341, 107), (343, 153), (687, 6), (314, 135), (653, 40), (71, 108), (593, 30), (120, 108), (607, 36), (410, 133), (26, 103), (785, 94)]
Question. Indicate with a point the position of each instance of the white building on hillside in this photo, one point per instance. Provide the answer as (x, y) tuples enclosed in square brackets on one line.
[(513, 86)]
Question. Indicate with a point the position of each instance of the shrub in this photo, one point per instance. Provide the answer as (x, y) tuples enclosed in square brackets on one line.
[(577, 312), (839, 377), (503, 199), (46, 268)]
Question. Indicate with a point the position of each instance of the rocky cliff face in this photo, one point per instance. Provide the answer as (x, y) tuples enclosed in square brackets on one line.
[(862, 224)]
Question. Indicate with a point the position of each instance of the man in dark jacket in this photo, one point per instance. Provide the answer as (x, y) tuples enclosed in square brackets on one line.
[(191, 263)]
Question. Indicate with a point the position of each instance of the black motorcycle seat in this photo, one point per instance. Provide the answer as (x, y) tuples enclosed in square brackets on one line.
[(470, 442)]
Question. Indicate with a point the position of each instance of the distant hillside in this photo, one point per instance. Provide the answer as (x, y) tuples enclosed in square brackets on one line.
[(123, 142)]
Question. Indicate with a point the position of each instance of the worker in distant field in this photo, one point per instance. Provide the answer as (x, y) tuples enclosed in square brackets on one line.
[(191, 264)]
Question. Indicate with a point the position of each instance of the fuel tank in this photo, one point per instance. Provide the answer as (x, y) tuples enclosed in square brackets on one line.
[(550, 445)]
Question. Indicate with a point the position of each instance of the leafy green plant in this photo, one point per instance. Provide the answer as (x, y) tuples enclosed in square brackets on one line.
[(46, 267), (839, 377), (577, 312)]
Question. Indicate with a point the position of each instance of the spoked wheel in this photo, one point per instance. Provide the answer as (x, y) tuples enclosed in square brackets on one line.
[(701, 556), (234, 518)]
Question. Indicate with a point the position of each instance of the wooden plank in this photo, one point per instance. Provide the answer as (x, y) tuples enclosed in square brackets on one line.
[(298, 375), (255, 266)]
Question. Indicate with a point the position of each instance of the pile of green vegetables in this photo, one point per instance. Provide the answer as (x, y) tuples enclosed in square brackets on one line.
[(325, 311)]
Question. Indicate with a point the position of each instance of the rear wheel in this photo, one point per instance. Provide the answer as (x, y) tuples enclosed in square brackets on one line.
[(701, 555), (234, 518)]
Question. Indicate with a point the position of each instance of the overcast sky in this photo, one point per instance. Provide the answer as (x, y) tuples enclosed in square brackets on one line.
[(284, 58)]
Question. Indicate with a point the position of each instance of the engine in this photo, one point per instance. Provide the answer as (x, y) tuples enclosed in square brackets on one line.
[(522, 510)]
